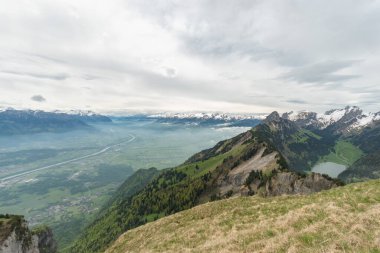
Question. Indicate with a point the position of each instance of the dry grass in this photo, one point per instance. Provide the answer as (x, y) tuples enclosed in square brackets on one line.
[(345, 219)]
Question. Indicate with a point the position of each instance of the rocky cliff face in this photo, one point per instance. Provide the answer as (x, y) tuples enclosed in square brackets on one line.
[(15, 237), (45, 239), (291, 183)]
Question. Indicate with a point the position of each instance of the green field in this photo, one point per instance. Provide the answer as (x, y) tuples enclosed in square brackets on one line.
[(208, 165), (303, 136), (344, 153)]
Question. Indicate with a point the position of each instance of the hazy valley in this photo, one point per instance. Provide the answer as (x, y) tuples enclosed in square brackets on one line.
[(78, 170)]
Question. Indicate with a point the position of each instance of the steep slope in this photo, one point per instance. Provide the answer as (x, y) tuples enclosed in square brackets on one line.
[(343, 219), (247, 164), (16, 237)]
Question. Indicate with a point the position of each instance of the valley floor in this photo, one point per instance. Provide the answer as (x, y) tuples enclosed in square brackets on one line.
[(344, 219)]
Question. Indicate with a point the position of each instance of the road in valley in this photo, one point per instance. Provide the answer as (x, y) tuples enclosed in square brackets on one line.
[(105, 149)]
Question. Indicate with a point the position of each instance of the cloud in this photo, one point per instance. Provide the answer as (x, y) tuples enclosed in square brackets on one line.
[(38, 98), (57, 76), (170, 72), (248, 55), (321, 73), (296, 101)]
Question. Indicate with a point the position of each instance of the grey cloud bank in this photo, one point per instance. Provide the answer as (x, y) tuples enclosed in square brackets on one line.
[(233, 56)]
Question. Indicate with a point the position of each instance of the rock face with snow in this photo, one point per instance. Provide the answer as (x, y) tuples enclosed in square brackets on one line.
[(344, 121), (204, 115), (210, 119)]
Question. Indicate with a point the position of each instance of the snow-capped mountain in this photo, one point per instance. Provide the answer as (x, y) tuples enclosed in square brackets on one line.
[(205, 116), (344, 121), (77, 112), (366, 119), (209, 119)]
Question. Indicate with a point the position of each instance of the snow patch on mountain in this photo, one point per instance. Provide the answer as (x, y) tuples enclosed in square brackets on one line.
[(207, 115), (347, 119), (331, 117), (77, 112), (365, 120), (299, 115)]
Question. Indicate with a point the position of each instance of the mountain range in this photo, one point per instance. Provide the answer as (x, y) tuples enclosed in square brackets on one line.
[(345, 121), (200, 119), (14, 121)]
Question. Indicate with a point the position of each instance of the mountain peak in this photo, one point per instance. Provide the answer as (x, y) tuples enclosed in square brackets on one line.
[(274, 116)]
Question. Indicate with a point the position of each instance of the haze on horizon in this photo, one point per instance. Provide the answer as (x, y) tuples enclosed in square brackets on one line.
[(230, 56)]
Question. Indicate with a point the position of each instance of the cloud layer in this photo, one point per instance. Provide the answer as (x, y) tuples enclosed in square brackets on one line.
[(139, 55)]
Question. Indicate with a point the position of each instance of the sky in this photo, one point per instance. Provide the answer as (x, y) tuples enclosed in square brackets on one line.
[(230, 56)]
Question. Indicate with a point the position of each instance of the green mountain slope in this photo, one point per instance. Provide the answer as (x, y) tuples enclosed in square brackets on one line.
[(344, 219)]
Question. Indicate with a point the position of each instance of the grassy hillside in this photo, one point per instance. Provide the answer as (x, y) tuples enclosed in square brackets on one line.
[(344, 219)]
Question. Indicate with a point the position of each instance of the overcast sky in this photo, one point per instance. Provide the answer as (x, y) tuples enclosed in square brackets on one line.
[(152, 55)]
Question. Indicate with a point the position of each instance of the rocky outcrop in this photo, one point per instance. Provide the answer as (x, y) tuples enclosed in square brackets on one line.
[(234, 183), (13, 244), (288, 183), (45, 238), (15, 237)]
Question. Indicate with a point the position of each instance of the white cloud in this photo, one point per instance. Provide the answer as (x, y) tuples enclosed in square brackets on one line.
[(190, 55)]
